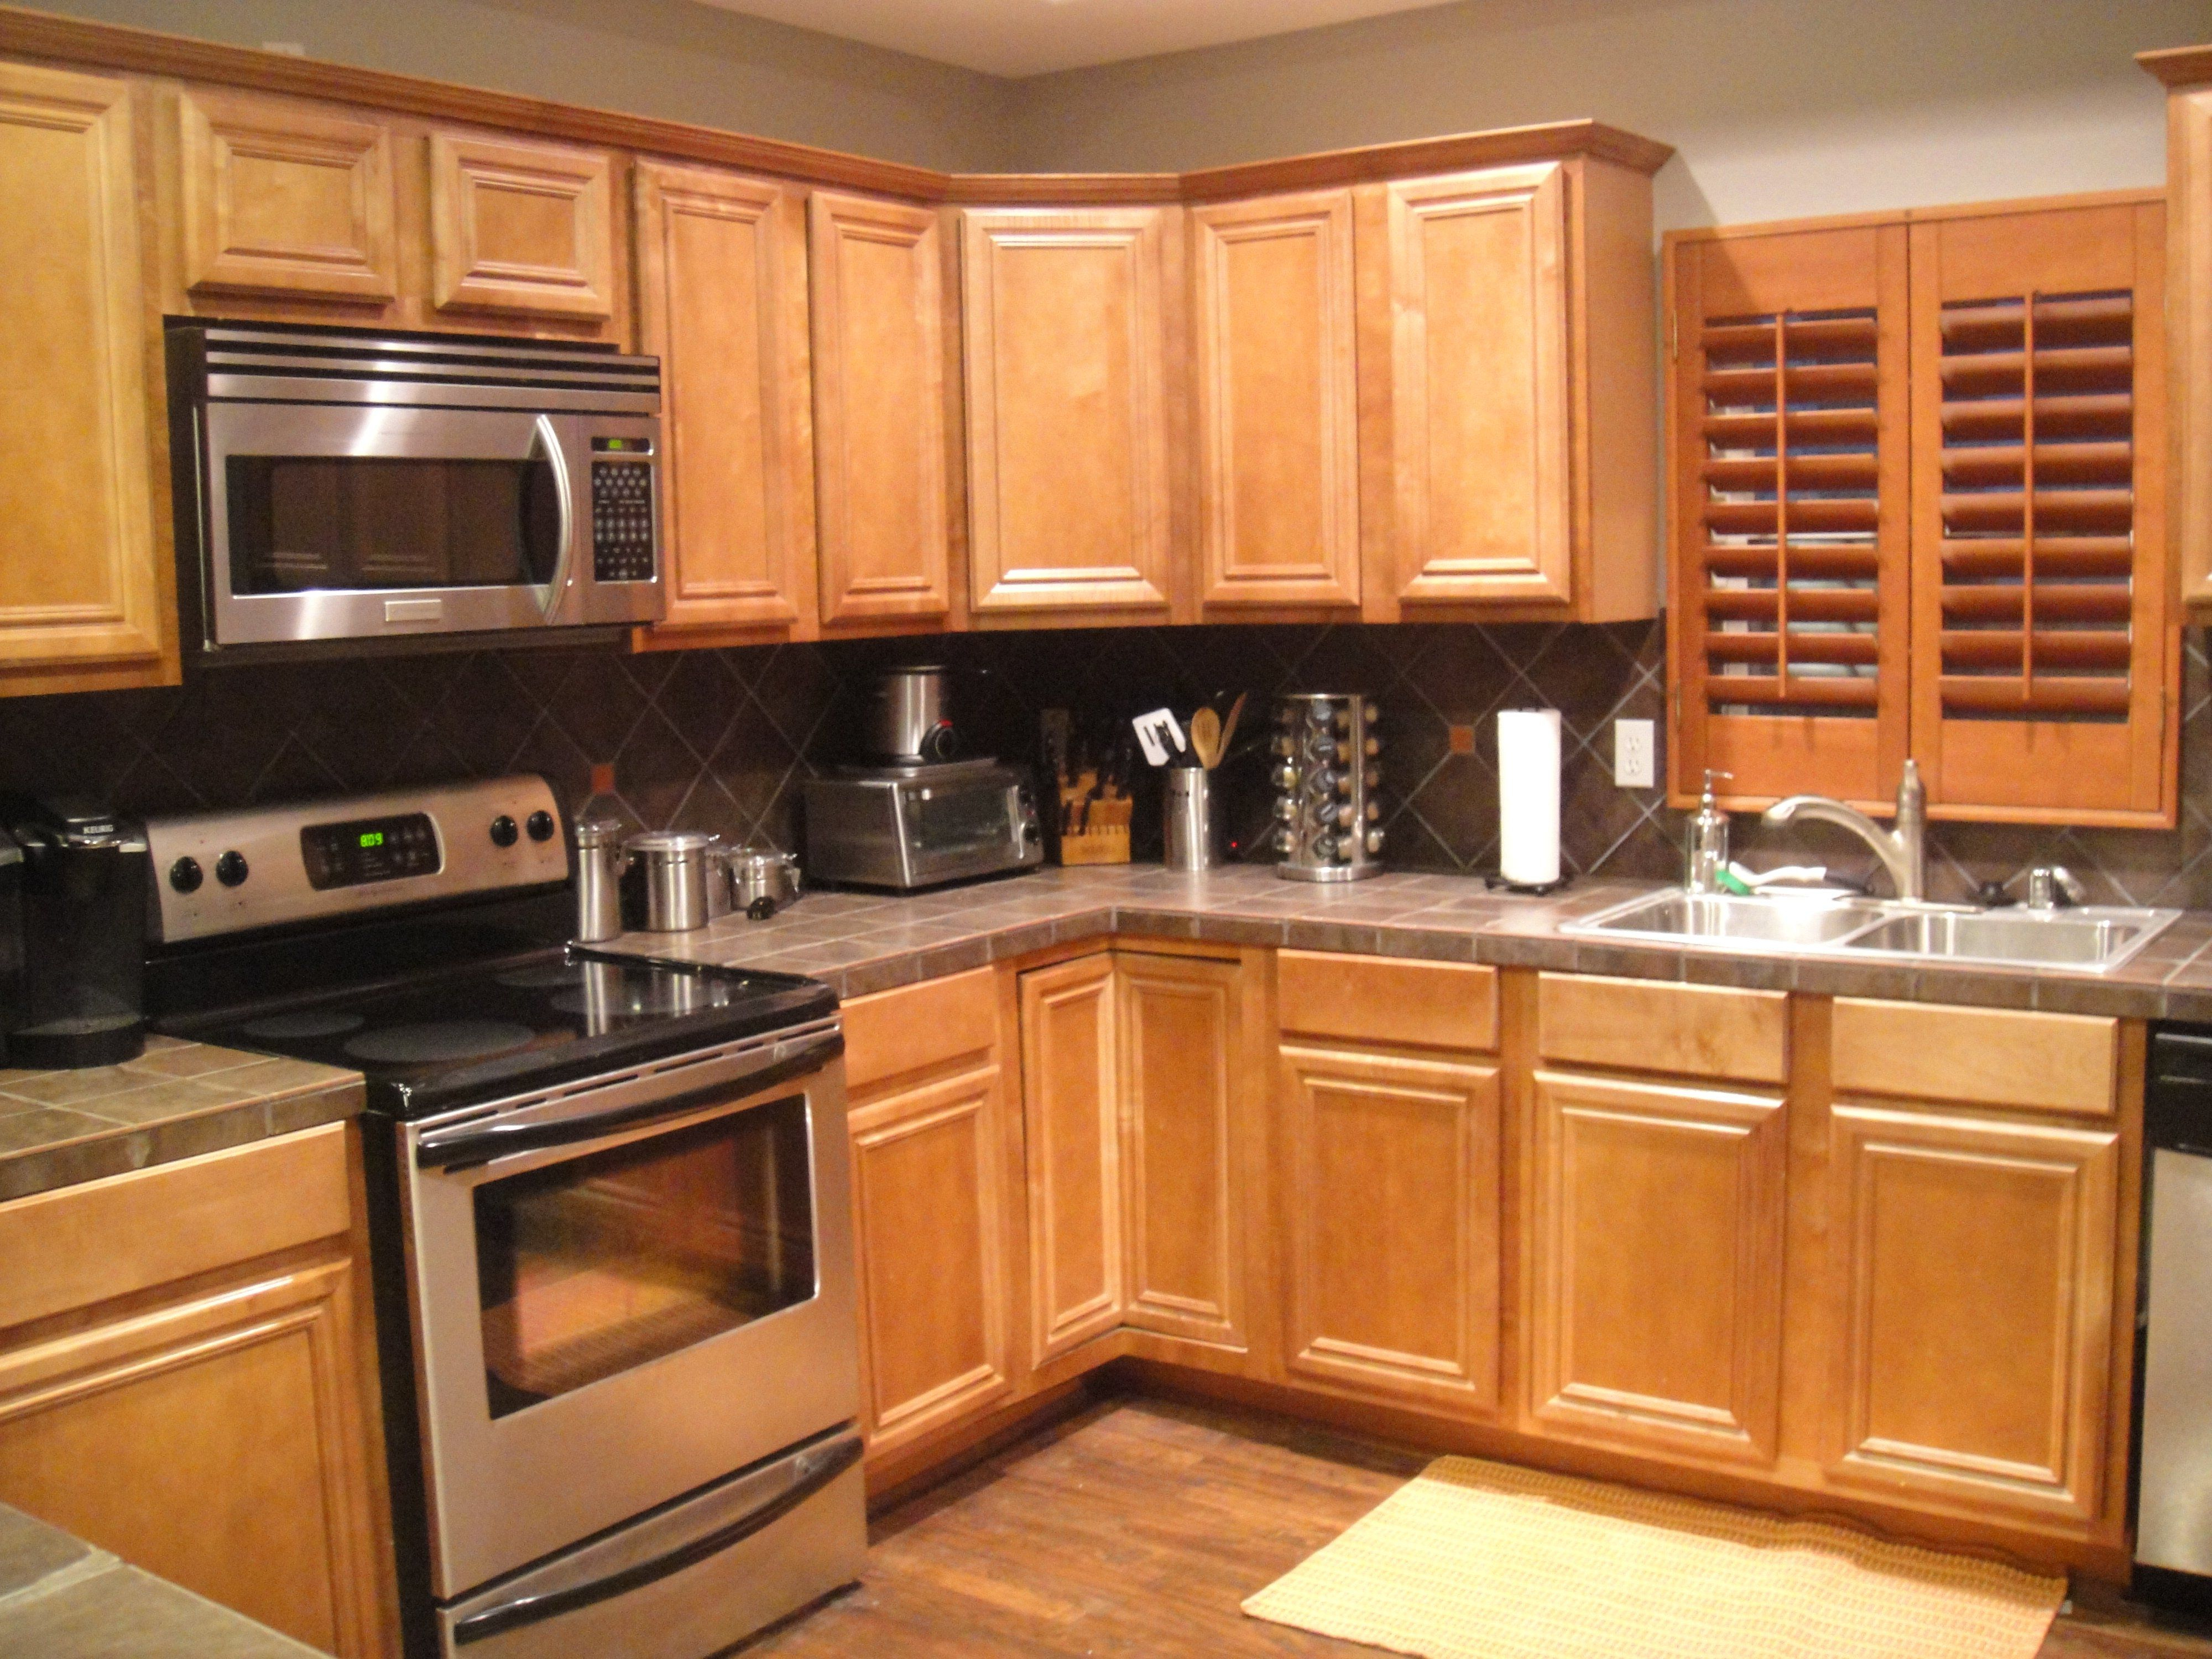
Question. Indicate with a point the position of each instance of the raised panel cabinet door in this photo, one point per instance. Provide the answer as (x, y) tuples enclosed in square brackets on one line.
[(216, 1442), (1071, 1106), (721, 265), (879, 420), (1973, 1264), (1068, 443), (78, 582), (1278, 401), (1181, 1030), (2188, 330), (521, 228), (1392, 1190), (285, 198), (927, 1212), (1656, 1233), (1478, 285)]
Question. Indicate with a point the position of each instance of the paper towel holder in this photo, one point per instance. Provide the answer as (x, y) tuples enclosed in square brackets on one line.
[(1495, 881)]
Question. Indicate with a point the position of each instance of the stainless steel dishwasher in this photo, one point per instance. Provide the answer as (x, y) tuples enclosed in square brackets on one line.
[(2173, 1460)]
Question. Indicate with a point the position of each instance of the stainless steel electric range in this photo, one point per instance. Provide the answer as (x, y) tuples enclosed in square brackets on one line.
[(609, 1221)]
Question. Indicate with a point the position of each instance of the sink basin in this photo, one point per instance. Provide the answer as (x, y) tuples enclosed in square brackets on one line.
[(1798, 920), (2098, 938)]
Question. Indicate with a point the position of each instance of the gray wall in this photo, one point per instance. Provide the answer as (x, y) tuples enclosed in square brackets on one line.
[(1778, 107), (673, 58)]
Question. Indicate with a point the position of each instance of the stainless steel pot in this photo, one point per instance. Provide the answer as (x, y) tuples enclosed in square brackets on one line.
[(910, 717), (762, 881)]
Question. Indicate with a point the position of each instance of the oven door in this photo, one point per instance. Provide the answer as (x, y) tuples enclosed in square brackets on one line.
[(622, 1291), (356, 521)]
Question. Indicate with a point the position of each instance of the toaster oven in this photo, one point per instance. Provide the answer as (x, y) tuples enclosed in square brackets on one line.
[(916, 826)]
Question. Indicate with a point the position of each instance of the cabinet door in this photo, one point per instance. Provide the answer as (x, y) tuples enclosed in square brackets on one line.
[(1479, 385), (880, 424), (1788, 552), (519, 227), (1067, 444), (216, 1442), (79, 586), (721, 268), (1973, 1278), (1181, 1035), (1656, 1234), (2045, 654), (1071, 1106), (1393, 1207), (286, 199), (2189, 327), (1278, 401), (927, 1212)]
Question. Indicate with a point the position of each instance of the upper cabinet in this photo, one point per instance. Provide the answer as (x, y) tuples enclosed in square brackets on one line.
[(1506, 368), (2187, 72), (1919, 468), (525, 229), (1277, 403), (880, 412), (82, 582), (721, 289), (1067, 422)]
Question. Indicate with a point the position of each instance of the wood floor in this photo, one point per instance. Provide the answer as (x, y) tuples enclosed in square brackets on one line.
[(1136, 1528)]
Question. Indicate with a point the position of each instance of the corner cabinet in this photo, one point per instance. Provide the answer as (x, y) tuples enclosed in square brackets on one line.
[(1064, 332), (85, 591), (1919, 467), (721, 281), (2187, 73)]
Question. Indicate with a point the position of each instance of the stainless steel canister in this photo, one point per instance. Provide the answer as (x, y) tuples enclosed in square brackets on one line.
[(1194, 832), (762, 880), (679, 878), (600, 860)]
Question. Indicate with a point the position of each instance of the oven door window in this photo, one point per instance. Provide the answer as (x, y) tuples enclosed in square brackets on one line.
[(954, 821), (348, 523), (592, 1265)]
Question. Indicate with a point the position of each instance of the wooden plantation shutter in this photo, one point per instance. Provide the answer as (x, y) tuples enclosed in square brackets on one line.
[(2043, 670), (1789, 456)]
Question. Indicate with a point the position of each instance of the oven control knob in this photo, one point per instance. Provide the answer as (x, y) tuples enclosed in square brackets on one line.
[(503, 831), (540, 826), (184, 875), (230, 869)]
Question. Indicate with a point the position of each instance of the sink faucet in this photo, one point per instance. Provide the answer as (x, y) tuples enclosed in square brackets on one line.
[(1903, 851)]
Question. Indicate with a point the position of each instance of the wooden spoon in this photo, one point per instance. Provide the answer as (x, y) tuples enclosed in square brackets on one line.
[(1205, 738), (1229, 727)]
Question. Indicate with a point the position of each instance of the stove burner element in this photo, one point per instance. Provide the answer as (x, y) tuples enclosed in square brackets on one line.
[(439, 1039), (307, 1023)]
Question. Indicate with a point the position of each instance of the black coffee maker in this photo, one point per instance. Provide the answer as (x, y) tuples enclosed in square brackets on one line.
[(82, 899)]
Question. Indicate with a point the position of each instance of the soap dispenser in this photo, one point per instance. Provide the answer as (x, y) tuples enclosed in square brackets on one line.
[(1709, 841)]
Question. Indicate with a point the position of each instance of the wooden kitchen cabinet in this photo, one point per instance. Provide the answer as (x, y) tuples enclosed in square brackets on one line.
[(521, 228), (1068, 410), (880, 412), (1072, 1116), (2187, 73), (286, 199), (1277, 403), (721, 279), (932, 1148), (86, 590), (187, 1380)]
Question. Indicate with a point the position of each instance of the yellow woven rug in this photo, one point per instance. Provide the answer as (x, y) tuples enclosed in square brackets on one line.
[(1479, 1560)]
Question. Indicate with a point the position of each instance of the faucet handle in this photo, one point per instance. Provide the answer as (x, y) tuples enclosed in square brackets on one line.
[(2046, 884)]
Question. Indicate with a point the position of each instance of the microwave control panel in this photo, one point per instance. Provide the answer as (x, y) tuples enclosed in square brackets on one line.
[(621, 520)]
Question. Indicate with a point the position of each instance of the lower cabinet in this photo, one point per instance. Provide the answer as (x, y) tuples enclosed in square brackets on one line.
[(186, 1382), (1072, 1123)]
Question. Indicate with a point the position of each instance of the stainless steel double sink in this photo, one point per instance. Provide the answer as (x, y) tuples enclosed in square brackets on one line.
[(2097, 937)]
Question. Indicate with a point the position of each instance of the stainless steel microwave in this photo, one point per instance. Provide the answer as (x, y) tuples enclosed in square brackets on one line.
[(349, 484)]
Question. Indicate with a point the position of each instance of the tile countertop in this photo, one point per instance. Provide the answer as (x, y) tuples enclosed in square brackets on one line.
[(177, 1100), (60, 1598), (863, 942)]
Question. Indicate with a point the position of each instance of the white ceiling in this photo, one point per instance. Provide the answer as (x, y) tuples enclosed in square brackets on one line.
[(1032, 37)]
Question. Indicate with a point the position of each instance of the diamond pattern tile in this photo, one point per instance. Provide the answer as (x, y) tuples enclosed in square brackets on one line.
[(721, 739)]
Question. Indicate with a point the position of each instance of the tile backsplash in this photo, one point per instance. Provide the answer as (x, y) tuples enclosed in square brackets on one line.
[(721, 739)]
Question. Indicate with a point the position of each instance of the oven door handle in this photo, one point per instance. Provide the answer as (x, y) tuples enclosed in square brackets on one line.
[(527, 1131), (812, 1472)]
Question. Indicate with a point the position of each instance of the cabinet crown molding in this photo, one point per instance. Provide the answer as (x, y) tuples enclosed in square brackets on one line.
[(2179, 66)]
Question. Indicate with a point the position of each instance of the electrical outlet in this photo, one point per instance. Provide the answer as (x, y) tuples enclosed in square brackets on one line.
[(1632, 754)]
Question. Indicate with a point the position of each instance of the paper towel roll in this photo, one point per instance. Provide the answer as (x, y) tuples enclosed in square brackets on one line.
[(1528, 795)]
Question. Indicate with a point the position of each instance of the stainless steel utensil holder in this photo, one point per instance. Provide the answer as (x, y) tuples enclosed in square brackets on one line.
[(1325, 761), (1194, 832)]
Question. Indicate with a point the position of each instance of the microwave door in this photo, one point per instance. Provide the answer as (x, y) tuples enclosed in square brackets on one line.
[(333, 521)]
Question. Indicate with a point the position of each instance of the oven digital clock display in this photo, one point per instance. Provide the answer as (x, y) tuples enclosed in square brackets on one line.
[(369, 849)]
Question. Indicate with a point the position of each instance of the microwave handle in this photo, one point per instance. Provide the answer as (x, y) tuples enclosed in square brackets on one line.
[(564, 495)]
